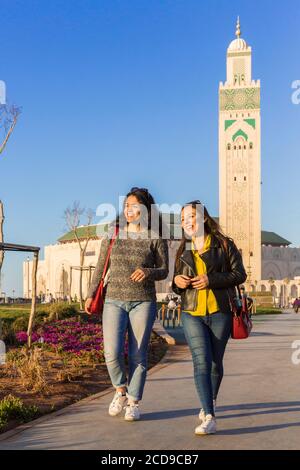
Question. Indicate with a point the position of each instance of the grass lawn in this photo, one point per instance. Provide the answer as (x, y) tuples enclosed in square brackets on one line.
[(13, 311), (267, 311)]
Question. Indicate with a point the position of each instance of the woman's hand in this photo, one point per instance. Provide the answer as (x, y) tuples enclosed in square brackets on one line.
[(200, 282), (87, 305), (182, 281), (138, 275)]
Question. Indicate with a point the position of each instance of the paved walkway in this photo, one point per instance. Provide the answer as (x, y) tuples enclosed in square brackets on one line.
[(258, 408)]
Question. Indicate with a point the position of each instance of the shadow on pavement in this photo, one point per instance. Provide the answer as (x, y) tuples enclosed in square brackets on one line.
[(256, 429), (257, 413), (272, 408), (170, 414), (253, 406), (166, 379)]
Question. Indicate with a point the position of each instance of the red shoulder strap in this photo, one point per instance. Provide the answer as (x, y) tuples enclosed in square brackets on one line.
[(112, 241)]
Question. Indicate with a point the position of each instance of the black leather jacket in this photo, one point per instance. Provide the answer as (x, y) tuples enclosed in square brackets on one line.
[(223, 272)]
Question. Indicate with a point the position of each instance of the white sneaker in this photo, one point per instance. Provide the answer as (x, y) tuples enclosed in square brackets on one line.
[(202, 414), (117, 404), (209, 426), (132, 412)]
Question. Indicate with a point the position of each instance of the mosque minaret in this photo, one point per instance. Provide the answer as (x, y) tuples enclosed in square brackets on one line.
[(240, 155)]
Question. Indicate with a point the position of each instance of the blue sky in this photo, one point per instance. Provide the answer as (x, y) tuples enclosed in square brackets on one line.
[(122, 93)]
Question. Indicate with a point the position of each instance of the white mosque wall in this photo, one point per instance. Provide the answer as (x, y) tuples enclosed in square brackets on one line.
[(280, 262), (54, 272)]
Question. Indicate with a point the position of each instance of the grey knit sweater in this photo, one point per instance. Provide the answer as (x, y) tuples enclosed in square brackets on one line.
[(127, 256)]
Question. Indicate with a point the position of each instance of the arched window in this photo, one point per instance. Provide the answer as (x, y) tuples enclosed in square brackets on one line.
[(251, 145), (294, 291), (228, 147), (274, 291)]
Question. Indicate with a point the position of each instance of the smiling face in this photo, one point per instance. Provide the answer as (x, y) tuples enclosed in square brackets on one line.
[(192, 221), (132, 210)]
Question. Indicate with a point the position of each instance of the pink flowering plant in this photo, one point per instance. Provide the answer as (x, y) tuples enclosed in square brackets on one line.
[(69, 336)]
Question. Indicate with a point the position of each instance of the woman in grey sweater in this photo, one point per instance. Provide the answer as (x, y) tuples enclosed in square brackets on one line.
[(139, 257)]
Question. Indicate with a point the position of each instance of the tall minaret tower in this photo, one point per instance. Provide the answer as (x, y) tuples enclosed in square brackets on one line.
[(239, 156)]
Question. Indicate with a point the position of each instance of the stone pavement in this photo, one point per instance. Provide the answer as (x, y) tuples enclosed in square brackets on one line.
[(258, 406)]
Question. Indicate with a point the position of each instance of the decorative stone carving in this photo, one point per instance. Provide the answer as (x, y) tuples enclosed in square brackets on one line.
[(242, 98), (240, 210)]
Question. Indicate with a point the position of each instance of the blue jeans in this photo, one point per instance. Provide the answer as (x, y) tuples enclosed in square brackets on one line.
[(207, 338), (137, 319)]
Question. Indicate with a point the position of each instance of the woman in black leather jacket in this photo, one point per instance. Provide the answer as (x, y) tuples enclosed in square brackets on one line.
[(208, 265)]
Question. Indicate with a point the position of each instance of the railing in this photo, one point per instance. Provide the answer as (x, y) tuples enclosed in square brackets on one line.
[(35, 250), (167, 315)]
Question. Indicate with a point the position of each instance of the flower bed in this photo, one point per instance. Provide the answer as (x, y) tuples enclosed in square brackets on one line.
[(65, 365), (69, 336)]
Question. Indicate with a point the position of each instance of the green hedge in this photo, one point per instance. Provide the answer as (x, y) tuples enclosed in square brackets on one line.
[(267, 311), (61, 310)]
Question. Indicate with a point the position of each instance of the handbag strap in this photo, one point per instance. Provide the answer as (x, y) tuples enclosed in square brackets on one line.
[(112, 241)]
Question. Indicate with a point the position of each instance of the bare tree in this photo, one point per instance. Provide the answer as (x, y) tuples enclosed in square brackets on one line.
[(33, 299), (72, 216), (8, 119)]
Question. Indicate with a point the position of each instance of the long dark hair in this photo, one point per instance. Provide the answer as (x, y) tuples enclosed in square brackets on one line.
[(145, 198), (211, 227)]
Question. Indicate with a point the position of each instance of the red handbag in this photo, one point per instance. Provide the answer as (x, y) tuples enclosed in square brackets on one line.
[(98, 300), (241, 322)]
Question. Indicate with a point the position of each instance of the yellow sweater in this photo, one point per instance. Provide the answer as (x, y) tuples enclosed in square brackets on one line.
[(207, 302)]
